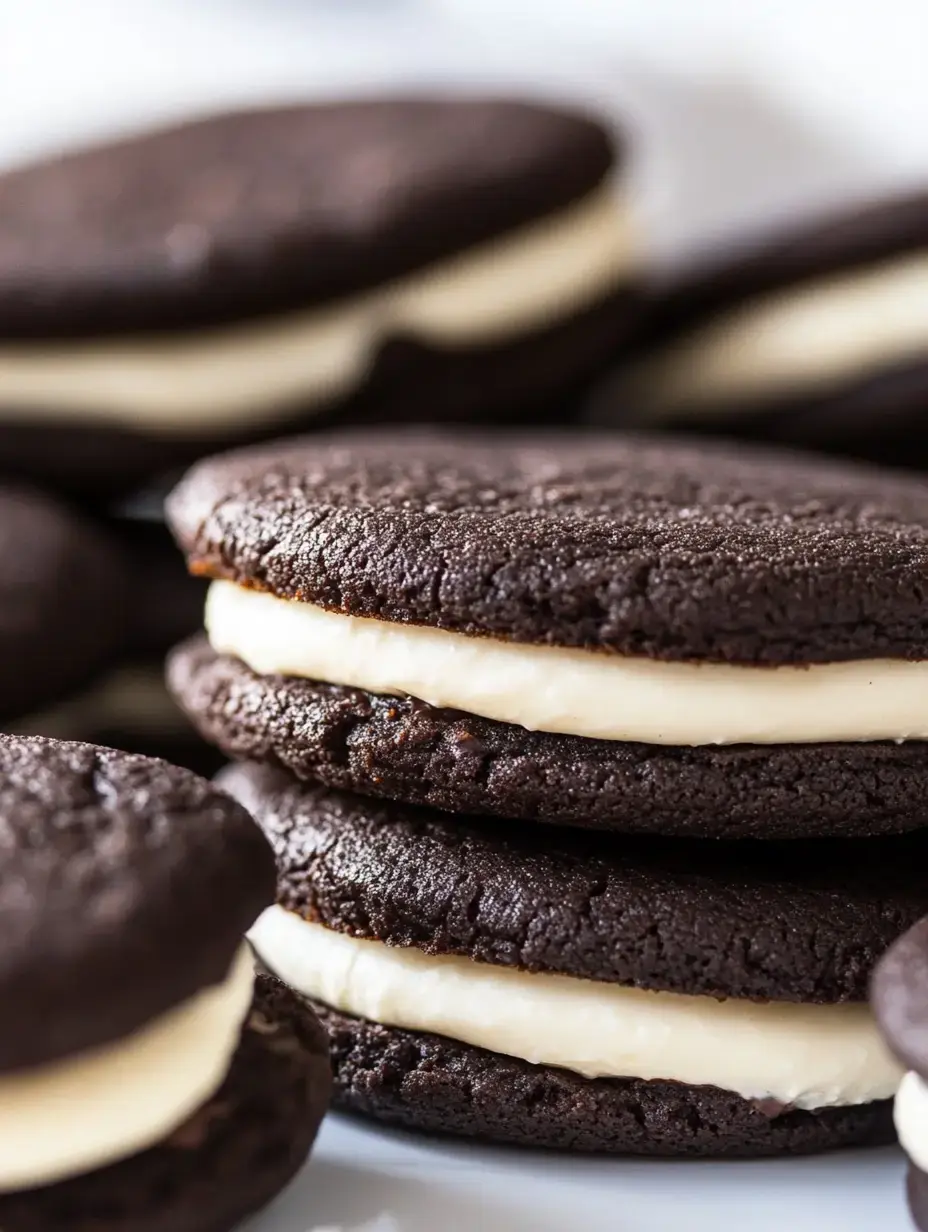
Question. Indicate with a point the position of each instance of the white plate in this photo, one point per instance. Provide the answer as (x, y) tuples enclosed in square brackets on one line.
[(362, 1177)]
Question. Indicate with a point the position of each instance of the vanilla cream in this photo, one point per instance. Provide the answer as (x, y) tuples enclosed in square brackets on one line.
[(257, 372), (576, 692), (810, 1056), (90, 1110), (802, 338)]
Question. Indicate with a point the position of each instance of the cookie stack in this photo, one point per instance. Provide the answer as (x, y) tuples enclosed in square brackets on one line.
[(148, 1079), (169, 294), (595, 769)]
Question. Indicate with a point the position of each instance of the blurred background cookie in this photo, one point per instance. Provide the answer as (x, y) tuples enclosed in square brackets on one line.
[(236, 276), (815, 337)]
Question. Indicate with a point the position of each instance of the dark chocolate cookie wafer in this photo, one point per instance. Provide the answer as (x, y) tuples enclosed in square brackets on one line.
[(808, 337), (125, 890), (401, 748), (63, 602), (613, 633), (231, 1157), (386, 259), (425, 1082), (801, 922), (582, 992), (117, 861)]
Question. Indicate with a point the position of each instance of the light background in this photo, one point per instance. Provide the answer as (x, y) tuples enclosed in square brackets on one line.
[(743, 110)]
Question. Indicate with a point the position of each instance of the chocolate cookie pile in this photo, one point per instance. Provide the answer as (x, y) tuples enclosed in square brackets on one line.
[(148, 1079), (595, 770)]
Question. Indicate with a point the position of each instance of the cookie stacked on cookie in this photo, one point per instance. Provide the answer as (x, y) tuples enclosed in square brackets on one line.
[(422, 647), (149, 1079)]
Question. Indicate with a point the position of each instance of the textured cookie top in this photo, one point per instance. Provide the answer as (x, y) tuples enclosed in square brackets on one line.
[(256, 212), (674, 551), (126, 886), (900, 997), (794, 922), (833, 244), (63, 601)]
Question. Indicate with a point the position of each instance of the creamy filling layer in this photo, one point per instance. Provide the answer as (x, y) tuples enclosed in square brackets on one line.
[(575, 692), (803, 339), (257, 372), (90, 1110), (810, 1056), (911, 1116)]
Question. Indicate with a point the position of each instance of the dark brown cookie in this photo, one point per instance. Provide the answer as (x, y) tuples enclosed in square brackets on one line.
[(674, 551), (877, 415), (229, 1159), (126, 885), (399, 748), (900, 997), (917, 1191), (793, 922), (259, 212), (63, 601), (165, 602), (426, 1082)]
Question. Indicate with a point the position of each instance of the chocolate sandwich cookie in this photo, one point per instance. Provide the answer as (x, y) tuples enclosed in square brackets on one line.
[(125, 703), (615, 633), (385, 259), (580, 992), (900, 1002), (63, 602), (815, 337), (130, 998)]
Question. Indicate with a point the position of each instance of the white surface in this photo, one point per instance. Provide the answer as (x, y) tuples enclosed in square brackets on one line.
[(383, 1181)]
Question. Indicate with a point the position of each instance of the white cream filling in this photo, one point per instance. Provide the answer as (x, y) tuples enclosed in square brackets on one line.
[(258, 371), (911, 1116), (577, 692), (812, 1056), (837, 328), (93, 1109)]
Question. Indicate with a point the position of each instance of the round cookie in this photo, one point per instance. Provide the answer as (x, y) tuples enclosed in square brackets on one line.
[(424, 1082), (118, 862), (613, 633), (126, 704), (397, 921), (126, 888), (900, 1003), (403, 749), (229, 1159), (808, 337), (62, 601), (375, 259)]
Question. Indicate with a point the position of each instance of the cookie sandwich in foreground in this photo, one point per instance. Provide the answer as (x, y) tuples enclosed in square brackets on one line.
[(615, 633), (183, 289), (148, 1080), (581, 991)]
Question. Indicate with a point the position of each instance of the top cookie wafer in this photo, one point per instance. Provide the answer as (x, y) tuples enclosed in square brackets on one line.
[(610, 632)]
